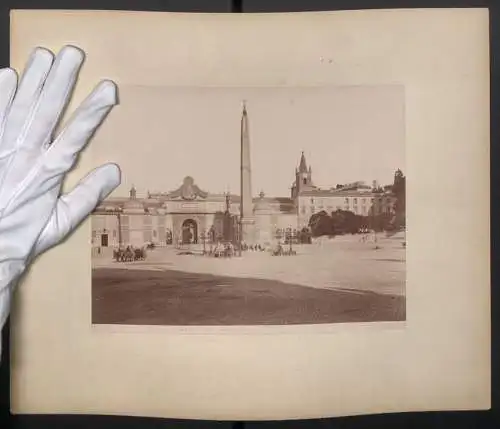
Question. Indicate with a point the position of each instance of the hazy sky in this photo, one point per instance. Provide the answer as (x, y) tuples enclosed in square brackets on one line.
[(159, 135)]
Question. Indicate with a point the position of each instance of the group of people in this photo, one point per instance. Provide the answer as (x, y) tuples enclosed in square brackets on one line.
[(227, 249), (365, 235), (221, 250), (252, 247), (129, 254)]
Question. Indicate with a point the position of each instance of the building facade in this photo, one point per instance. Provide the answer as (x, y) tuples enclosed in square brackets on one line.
[(357, 197), (190, 214)]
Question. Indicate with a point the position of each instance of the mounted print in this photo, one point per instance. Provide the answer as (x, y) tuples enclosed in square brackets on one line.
[(302, 227)]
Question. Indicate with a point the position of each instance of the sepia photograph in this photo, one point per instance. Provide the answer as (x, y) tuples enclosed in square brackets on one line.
[(257, 206)]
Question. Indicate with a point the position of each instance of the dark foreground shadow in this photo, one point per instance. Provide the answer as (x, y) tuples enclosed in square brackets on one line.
[(140, 297)]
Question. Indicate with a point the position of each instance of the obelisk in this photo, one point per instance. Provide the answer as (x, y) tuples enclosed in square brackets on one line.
[(246, 205)]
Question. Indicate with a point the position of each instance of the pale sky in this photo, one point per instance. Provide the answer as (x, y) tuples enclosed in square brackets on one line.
[(159, 135)]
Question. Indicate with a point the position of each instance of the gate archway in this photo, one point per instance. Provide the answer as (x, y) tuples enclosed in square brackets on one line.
[(189, 232)]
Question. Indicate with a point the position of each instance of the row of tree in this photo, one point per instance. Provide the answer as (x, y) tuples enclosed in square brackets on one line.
[(346, 222)]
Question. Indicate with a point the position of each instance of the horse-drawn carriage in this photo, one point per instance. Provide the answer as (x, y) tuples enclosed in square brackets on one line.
[(280, 251), (129, 254)]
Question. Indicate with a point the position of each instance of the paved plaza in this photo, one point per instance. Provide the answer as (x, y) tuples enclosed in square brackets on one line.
[(342, 279)]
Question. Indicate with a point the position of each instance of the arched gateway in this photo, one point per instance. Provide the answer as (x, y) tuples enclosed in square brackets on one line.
[(189, 232)]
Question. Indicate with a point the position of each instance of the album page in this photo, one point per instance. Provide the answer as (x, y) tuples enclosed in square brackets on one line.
[(302, 227)]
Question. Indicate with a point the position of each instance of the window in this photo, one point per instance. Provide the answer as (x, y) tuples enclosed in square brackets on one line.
[(347, 201), (363, 200), (304, 181), (154, 233), (355, 201), (312, 200)]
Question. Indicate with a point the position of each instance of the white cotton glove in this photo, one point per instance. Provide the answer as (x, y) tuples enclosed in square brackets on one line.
[(33, 164)]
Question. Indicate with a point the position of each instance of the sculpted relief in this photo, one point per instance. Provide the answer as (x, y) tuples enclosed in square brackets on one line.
[(188, 190)]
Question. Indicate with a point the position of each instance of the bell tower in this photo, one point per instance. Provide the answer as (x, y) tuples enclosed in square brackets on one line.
[(303, 177)]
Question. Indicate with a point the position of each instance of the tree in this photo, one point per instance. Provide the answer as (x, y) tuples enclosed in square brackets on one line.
[(321, 224), (381, 222), (305, 236), (339, 219), (347, 222), (399, 192)]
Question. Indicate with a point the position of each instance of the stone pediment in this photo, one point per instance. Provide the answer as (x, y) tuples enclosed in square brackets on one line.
[(188, 191)]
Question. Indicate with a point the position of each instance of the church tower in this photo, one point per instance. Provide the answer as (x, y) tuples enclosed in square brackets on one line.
[(246, 205), (303, 178)]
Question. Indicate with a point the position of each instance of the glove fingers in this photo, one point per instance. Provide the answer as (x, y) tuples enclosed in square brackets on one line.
[(62, 154), (54, 97), (74, 207), (8, 86), (30, 86)]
